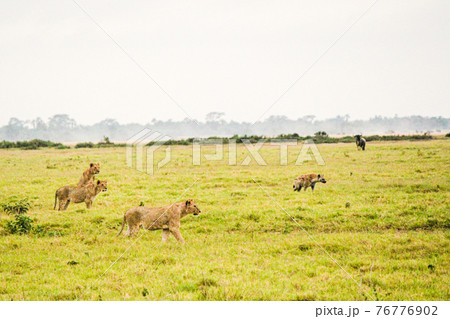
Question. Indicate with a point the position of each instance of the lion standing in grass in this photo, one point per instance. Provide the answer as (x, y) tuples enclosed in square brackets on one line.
[(89, 174), (153, 218), (64, 192), (86, 194)]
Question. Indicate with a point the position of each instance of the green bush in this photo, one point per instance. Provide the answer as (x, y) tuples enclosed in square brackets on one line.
[(105, 143), (14, 206), (20, 225), (6, 144), (30, 145), (85, 145), (447, 135)]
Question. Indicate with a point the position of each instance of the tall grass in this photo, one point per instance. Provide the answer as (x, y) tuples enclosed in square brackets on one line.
[(382, 216)]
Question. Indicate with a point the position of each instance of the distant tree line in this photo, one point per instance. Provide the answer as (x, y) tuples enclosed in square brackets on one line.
[(62, 128)]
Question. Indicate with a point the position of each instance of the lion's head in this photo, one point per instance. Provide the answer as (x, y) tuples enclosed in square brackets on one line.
[(102, 186), (94, 168), (191, 207)]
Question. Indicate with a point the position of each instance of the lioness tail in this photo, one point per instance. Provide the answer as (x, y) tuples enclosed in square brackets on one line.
[(123, 224)]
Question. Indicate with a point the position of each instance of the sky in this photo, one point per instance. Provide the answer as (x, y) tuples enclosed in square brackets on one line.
[(183, 59)]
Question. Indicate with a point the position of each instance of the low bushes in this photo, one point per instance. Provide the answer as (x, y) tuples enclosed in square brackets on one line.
[(21, 224), (318, 138), (31, 145)]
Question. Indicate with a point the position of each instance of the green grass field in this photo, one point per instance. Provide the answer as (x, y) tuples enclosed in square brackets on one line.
[(383, 217)]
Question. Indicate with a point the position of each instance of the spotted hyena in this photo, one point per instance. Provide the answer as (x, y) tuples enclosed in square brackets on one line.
[(308, 180)]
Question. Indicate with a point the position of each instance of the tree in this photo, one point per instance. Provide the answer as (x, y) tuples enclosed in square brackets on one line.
[(60, 121), (15, 123), (38, 124)]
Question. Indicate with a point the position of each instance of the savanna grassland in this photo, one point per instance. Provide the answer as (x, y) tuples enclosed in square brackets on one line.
[(383, 216)]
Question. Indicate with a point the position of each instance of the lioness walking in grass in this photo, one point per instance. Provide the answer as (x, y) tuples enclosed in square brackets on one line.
[(308, 180), (85, 194), (166, 218)]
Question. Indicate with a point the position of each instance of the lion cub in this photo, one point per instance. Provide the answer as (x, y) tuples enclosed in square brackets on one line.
[(308, 180), (165, 218), (86, 194), (88, 175)]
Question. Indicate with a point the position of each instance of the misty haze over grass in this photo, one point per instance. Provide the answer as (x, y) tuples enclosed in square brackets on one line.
[(62, 128)]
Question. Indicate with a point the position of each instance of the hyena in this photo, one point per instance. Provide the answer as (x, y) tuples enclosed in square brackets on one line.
[(360, 142), (308, 180)]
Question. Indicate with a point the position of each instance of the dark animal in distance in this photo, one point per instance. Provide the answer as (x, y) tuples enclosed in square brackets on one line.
[(360, 142)]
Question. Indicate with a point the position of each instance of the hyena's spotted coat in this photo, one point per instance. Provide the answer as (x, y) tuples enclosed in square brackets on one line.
[(308, 180)]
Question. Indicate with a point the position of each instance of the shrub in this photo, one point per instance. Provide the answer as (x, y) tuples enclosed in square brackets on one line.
[(105, 143), (321, 133), (20, 225), (30, 145), (85, 145), (6, 144), (447, 135), (14, 206)]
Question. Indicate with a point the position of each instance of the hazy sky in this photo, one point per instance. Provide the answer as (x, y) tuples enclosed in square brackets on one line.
[(236, 57)]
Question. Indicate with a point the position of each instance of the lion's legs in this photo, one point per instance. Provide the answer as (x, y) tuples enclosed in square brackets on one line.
[(88, 204), (165, 235), (61, 205), (176, 233), (131, 230), (67, 204), (64, 204)]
